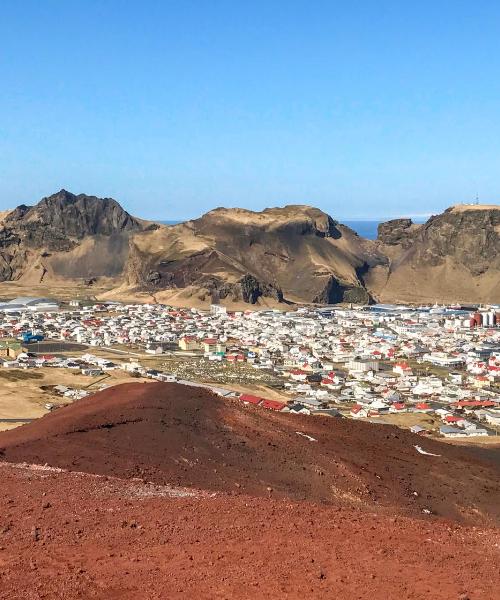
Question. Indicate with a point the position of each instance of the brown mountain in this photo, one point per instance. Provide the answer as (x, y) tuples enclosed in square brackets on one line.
[(294, 253), (454, 256), (65, 237), (235, 256)]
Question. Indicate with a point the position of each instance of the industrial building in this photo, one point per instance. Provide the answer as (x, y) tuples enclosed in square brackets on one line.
[(24, 303)]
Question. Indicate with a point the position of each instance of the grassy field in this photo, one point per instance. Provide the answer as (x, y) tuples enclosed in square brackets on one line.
[(407, 420), (426, 368), (23, 394), (13, 289), (491, 440), (19, 375)]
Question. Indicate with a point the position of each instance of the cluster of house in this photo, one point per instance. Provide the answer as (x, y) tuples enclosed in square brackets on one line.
[(87, 364), (366, 362)]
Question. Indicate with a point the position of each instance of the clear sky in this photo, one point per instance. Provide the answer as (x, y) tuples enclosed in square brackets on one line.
[(364, 109)]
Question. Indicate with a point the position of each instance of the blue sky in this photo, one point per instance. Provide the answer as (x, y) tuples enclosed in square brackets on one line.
[(364, 109)]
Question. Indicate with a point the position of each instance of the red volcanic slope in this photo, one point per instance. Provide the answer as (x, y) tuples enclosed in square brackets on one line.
[(174, 434), (66, 535)]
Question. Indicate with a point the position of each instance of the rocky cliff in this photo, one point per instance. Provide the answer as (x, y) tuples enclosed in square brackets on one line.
[(454, 256), (397, 232)]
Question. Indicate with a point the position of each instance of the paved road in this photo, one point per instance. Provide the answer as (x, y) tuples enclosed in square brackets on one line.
[(16, 420)]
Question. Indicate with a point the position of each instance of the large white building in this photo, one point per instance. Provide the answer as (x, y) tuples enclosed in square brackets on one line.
[(24, 303)]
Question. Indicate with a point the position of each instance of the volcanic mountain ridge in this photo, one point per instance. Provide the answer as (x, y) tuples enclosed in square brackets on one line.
[(293, 254)]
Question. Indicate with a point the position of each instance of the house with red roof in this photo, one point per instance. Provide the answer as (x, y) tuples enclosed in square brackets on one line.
[(298, 374), (422, 407), (273, 405), (249, 399), (326, 381), (452, 419), (472, 404), (402, 368), (481, 381), (358, 411)]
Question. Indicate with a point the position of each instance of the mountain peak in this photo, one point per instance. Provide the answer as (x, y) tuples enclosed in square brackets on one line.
[(75, 216)]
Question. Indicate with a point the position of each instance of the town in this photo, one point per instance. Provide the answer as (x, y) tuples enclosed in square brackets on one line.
[(434, 370)]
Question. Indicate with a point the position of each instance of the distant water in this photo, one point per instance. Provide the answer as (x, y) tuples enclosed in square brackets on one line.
[(366, 229)]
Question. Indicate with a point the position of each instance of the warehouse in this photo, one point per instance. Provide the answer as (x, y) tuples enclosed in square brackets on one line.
[(24, 303)]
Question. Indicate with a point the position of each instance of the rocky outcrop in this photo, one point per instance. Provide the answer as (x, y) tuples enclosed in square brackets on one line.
[(396, 232), (195, 271), (252, 289), (65, 215), (336, 292), (8, 237)]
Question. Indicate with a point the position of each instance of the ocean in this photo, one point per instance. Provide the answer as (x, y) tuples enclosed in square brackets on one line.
[(366, 229)]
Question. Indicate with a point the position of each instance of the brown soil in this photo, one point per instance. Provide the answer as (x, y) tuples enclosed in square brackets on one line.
[(177, 435), (69, 535), (18, 375)]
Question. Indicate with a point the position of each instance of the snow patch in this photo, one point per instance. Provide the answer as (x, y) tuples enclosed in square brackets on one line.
[(420, 450), (310, 438)]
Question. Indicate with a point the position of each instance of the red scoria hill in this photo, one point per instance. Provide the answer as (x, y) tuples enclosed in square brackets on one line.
[(157, 490)]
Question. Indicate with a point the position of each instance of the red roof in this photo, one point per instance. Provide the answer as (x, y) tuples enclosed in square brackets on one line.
[(423, 406), (398, 405), (272, 404), (249, 399), (474, 403), (452, 419)]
